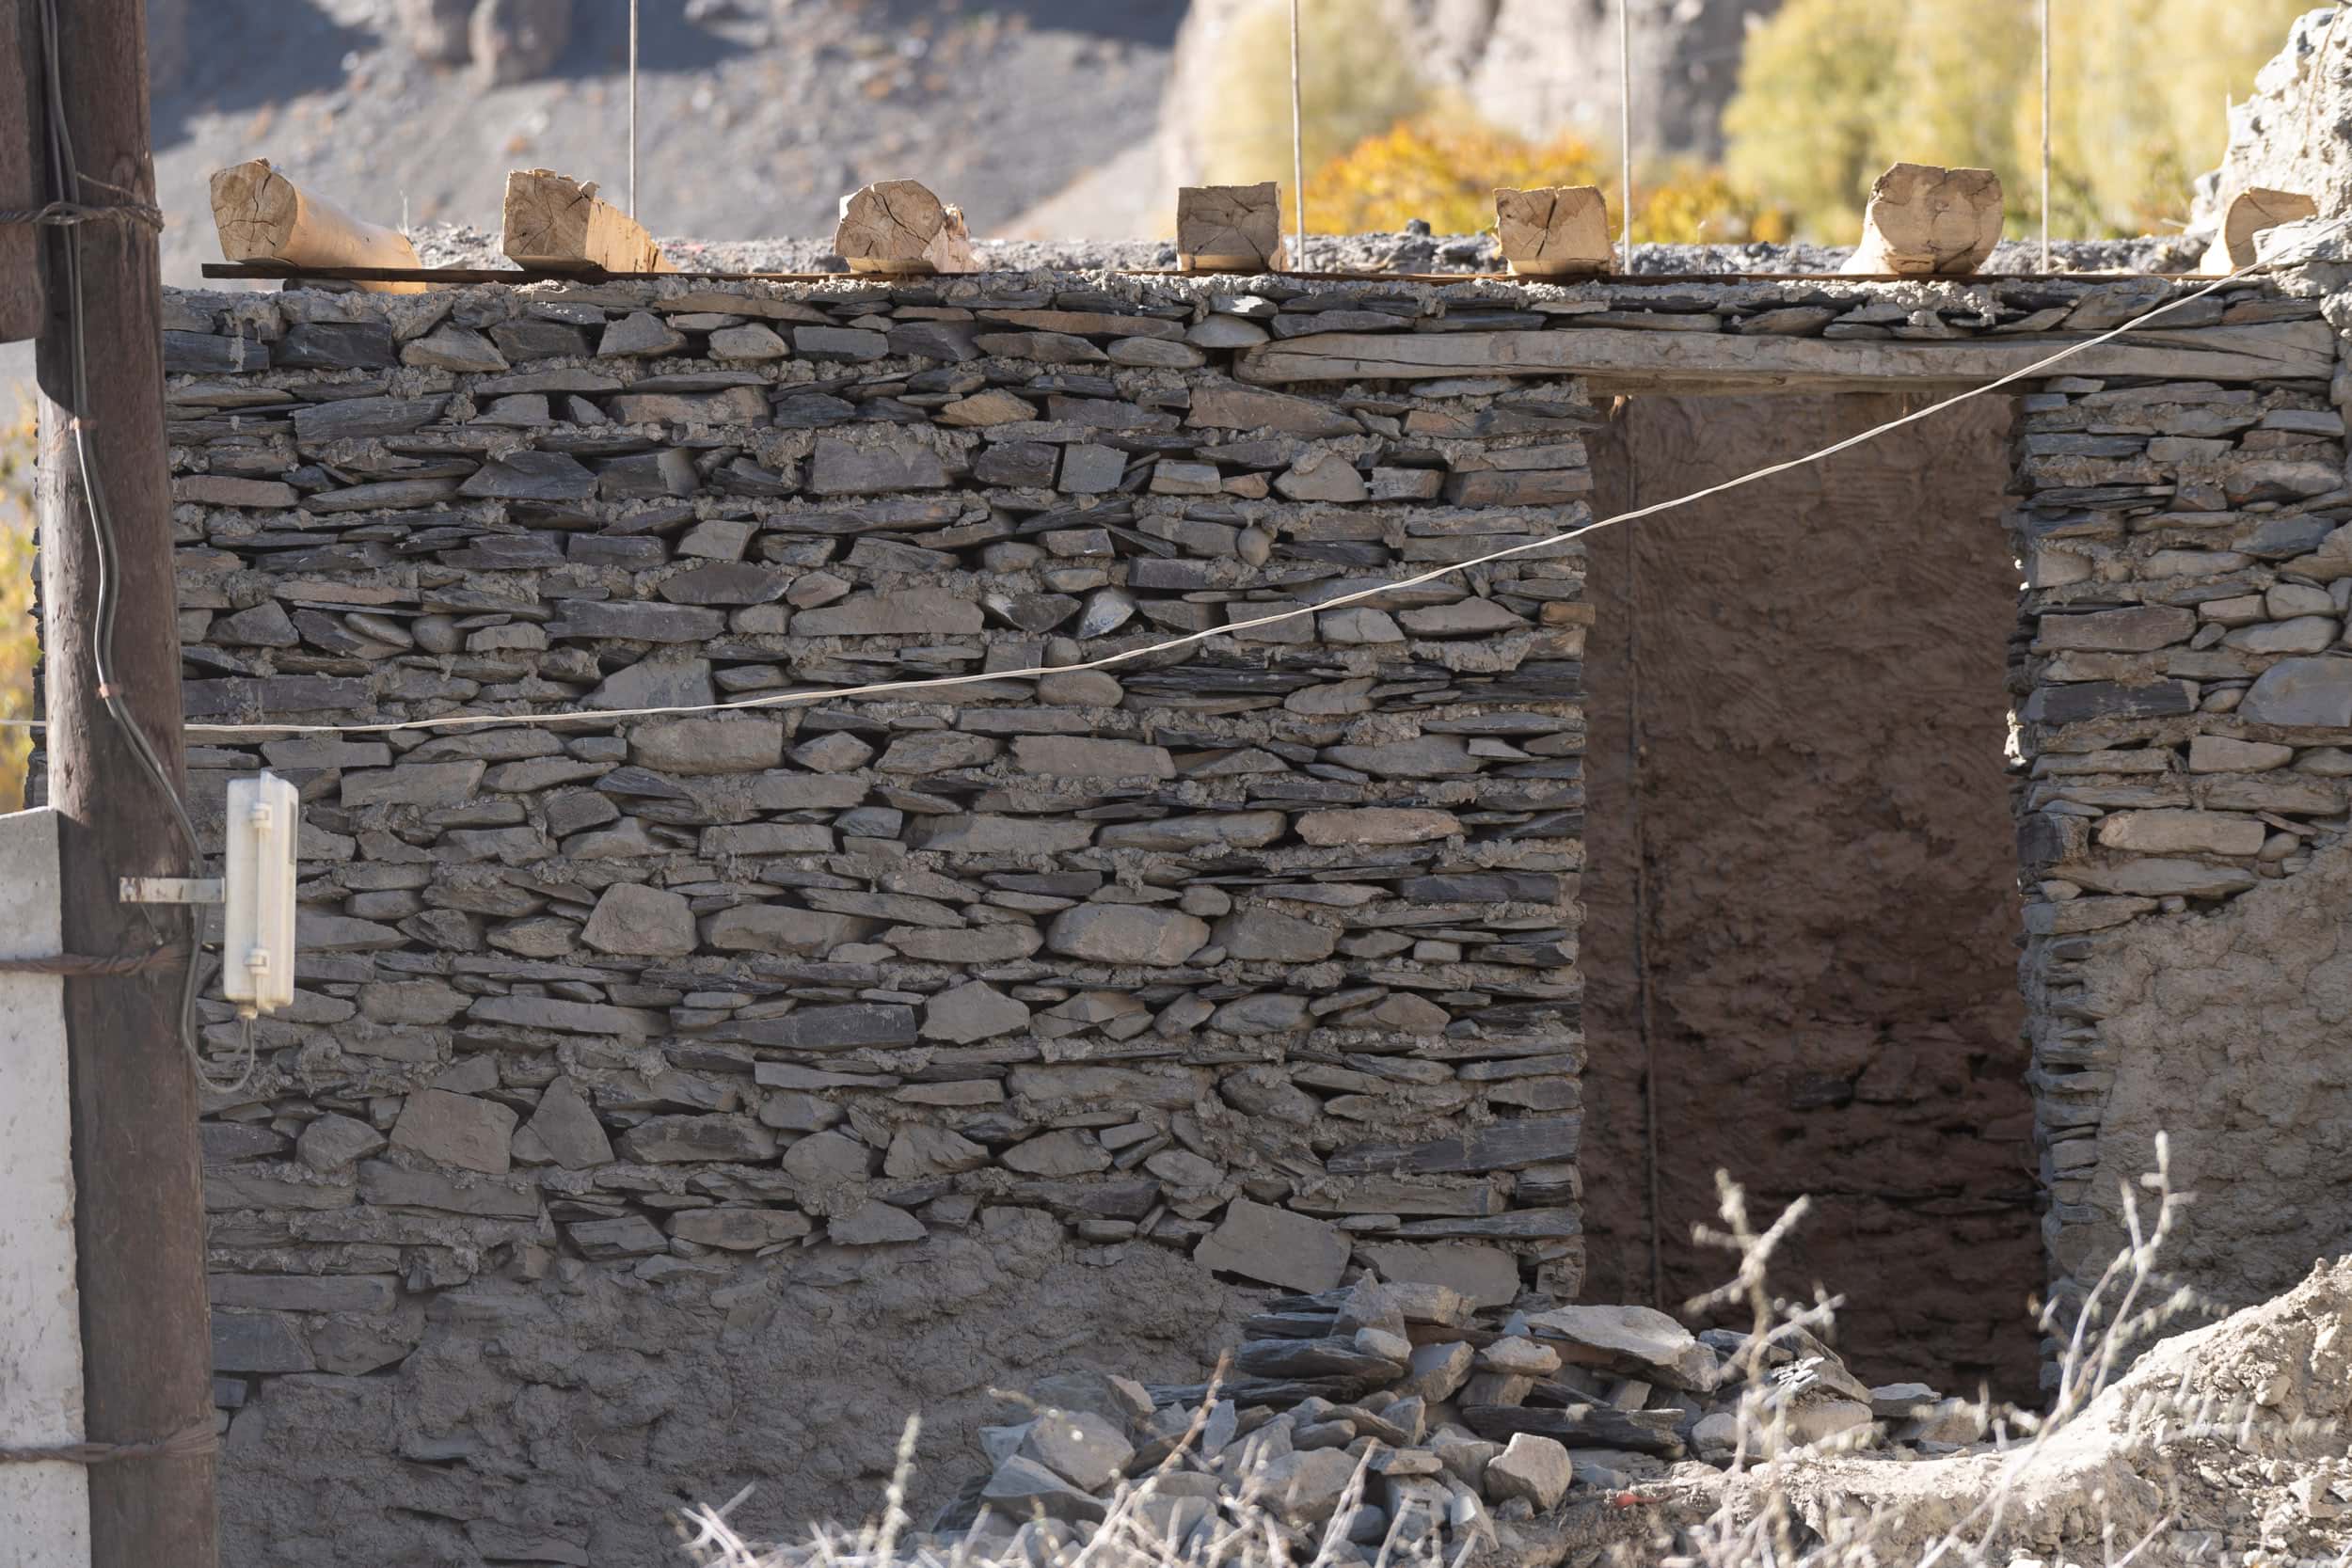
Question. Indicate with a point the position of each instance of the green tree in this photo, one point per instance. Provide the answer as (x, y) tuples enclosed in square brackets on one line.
[(1832, 91)]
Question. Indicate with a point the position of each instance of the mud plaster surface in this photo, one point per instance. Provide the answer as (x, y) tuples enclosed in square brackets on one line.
[(2227, 1033), (580, 1415), (1831, 912)]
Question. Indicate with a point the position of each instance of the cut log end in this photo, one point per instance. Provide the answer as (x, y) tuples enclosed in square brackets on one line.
[(2249, 213), (264, 217), (555, 224), (1230, 228), (1927, 221), (1554, 231), (898, 226), (254, 208)]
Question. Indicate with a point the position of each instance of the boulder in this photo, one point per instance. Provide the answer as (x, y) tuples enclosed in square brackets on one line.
[(1533, 1467), (515, 40)]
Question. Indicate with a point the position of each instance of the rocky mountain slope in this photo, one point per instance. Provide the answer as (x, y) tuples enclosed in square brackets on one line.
[(757, 115)]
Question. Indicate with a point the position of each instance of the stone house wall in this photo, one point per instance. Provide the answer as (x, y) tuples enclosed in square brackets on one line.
[(787, 1062), (1260, 953), (2186, 708)]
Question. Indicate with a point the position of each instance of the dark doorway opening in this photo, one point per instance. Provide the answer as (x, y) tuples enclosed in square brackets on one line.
[(1797, 714)]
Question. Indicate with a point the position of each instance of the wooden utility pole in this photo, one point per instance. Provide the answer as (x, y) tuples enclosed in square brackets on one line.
[(139, 1218)]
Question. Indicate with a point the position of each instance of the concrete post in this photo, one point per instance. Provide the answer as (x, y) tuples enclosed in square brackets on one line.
[(44, 1509)]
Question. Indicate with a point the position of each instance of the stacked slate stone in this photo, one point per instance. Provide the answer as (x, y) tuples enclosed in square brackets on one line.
[(1260, 950), (2185, 703), (1385, 1415)]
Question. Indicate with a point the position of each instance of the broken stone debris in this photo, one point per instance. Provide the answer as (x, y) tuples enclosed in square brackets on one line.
[(1348, 1413)]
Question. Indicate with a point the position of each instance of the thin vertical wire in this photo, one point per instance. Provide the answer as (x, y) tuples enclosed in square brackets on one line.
[(1624, 133), (1637, 834), (1298, 145), (2045, 135), (632, 109)]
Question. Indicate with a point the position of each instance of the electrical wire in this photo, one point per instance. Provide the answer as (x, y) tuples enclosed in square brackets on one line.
[(104, 535), (1299, 143), (1624, 133), (1525, 546), (632, 109), (944, 682), (69, 183), (2045, 135)]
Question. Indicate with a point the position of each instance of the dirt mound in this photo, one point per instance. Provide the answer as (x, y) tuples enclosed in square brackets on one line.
[(2222, 1443)]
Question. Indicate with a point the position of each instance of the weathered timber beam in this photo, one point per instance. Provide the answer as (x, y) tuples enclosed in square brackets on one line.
[(1230, 227), (1928, 221), (1556, 232), (262, 216), (556, 224), (2249, 213), (898, 226), (1618, 360)]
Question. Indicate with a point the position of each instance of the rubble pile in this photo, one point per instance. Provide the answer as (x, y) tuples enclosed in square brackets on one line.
[(1389, 1415)]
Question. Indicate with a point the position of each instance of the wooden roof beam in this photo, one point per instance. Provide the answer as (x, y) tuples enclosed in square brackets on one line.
[(266, 218)]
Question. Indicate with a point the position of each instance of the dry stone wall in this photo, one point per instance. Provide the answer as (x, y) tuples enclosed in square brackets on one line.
[(643, 1065), (2185, 709), (1259, 954)]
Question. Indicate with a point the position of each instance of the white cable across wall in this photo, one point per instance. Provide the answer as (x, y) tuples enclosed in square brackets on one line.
[(1527, 546)]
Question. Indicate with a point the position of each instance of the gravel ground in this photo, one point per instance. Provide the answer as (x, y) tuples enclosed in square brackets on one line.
[(467, 246)]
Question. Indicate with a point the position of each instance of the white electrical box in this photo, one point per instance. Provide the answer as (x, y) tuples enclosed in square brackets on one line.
[(263, 820)]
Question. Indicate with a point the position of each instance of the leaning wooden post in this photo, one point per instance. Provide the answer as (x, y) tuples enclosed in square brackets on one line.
[(1230, 227), (264, 217), (556, 224), (2251, 212), (21, 159), (1556, 232), (138, 1169), (899, 225), (1923, 220)]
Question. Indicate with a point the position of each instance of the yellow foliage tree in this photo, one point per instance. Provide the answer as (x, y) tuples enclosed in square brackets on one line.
[(1832, 91), (19, 651), (1443, 169), (1438, 168)]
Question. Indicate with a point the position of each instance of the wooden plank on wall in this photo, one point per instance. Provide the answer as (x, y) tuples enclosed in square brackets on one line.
[(1620, 361)]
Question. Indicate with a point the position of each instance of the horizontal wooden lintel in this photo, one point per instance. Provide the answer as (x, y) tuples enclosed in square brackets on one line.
[(1618, 359)]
